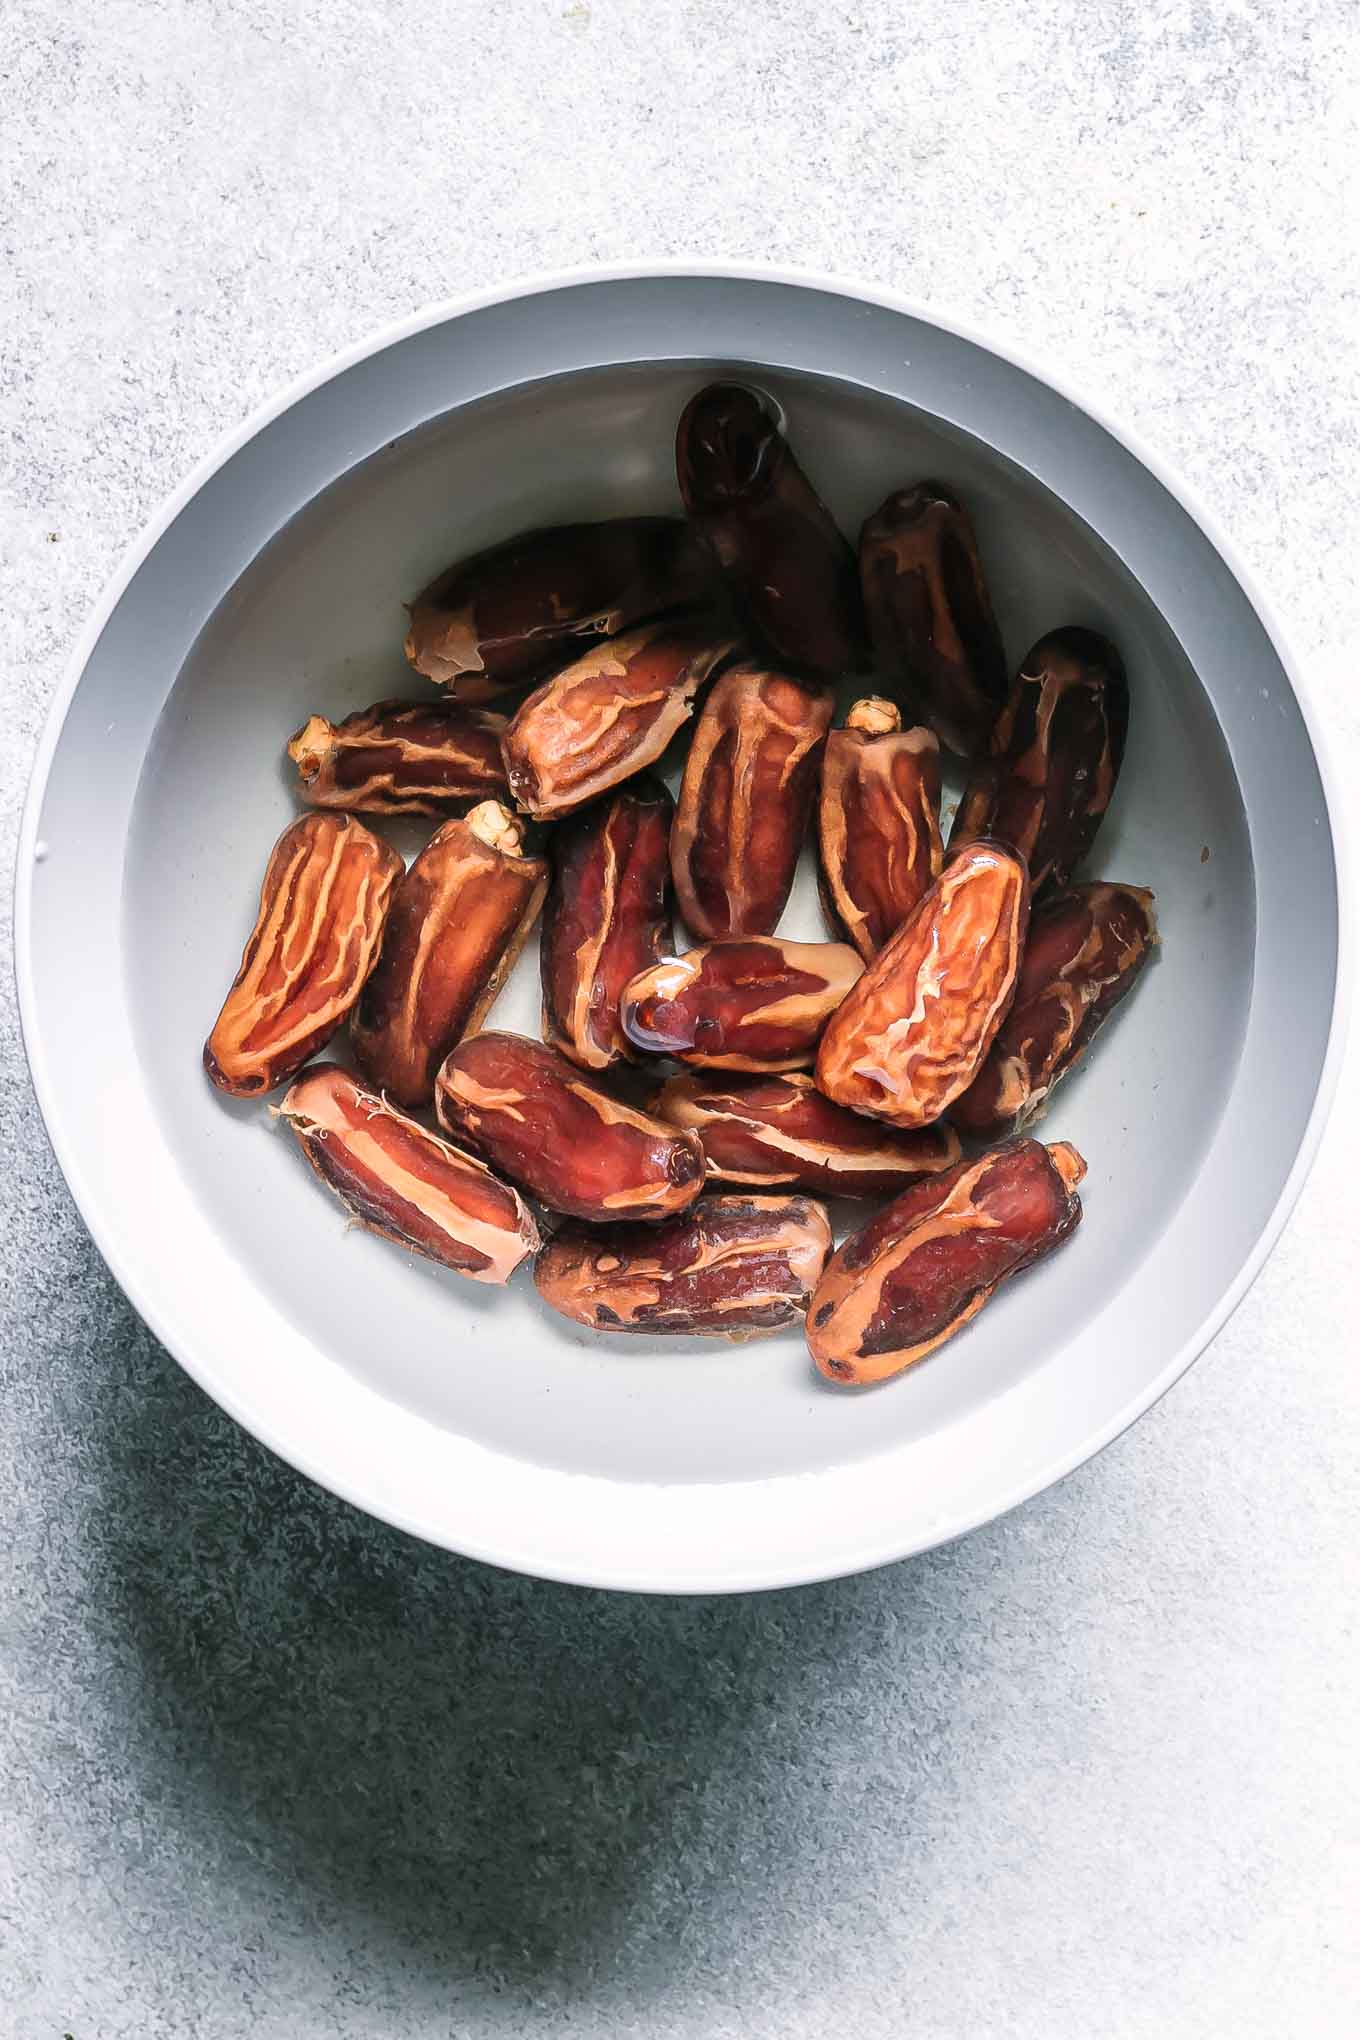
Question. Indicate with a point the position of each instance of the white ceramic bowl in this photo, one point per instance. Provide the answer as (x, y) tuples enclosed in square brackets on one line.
[(272, 585)]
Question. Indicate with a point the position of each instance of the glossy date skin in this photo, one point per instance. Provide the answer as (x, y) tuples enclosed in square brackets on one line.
[(729, 1268), (924, 1267), (405, 1183), (1085, 952), (561, 1136), (780, 1132), (912, 1035), (1054, 757), (608, 917), (457, 923), (400, 758), (607, 716), (510, 614), (878, 824), (746, 799), (323, 905), (755, 1004), (931, 622), (789, 571)]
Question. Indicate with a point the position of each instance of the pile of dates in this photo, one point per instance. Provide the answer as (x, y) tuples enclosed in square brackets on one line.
[(662, 1151)]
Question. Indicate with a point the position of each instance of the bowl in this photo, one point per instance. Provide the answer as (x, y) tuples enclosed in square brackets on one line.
[(273, 585)]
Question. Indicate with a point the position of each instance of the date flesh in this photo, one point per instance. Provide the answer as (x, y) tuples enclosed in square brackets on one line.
[(730, 1268), (920, 1270), (878, 824), (405, 1183), (323, 904), (400, 758), (755, 1004)]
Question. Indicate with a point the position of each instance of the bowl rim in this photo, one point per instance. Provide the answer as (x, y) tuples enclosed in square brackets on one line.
[(960, 326)]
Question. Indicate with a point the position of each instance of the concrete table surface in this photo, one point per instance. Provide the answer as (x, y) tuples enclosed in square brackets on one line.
[(270, 1769)]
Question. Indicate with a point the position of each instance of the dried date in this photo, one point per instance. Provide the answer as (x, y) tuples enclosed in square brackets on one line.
[(878, 824), (753, 1004), (400, 758)]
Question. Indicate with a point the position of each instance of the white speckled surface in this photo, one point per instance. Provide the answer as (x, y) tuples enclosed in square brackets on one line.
[(272, 1770)]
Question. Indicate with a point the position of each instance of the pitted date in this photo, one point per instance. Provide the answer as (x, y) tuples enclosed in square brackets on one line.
[(753, 1004), (561, 1136), (405, 1183), (729, 1268), (913, 1033), (509, 615), (608, 917), (789, 571), (400, 758), (1086, 949), (925, 1266), (931, 622), (780, 1132), (323, 904), (745, 800), (1054, 757), (458, 921), (878, 824), (607, 716)]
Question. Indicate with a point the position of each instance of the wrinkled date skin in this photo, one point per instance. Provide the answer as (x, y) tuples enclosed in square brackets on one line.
[(1085, 952), (931, 621), (509, 615), (323, 904), (561, 1136), (1055, 756), (730, 1268), (913, 1033), (758, 1004), (458, 921), (926, 1265), (780, 1132), (788, 569), (400, 758), (606, 717), (404, 1183), (745, 800), (608, 917), (878, 824)]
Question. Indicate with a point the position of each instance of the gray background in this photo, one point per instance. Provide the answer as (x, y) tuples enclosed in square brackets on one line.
[(275, 1770)]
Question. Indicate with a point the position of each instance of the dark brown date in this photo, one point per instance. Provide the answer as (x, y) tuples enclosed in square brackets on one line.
[(755, 1004), (878, 824), (400, 758), (925, 1266), (1054, 758)]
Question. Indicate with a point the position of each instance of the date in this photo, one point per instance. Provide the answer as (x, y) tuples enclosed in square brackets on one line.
[(745, 800), (1086, 950), (323, 904), (878, 824), (405, 1183), (755, 1004), (925, 1266), (561, 1136), (729, 1268), (400, 758), (913, 1033), (458, 921)]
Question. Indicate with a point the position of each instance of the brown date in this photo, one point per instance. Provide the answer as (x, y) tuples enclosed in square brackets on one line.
[(404, 1183), (745, 800), (608, 917), (509, 615), (323, 904), (757, 1003), (561, 1136), (913, 1033), (1054, 758), (931, 621), (728, 1268), (606, 716), (781, 1132), (400, 758), (878, 824), (785, 563), (458, 921), (1085, 951), (925, 1266)]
